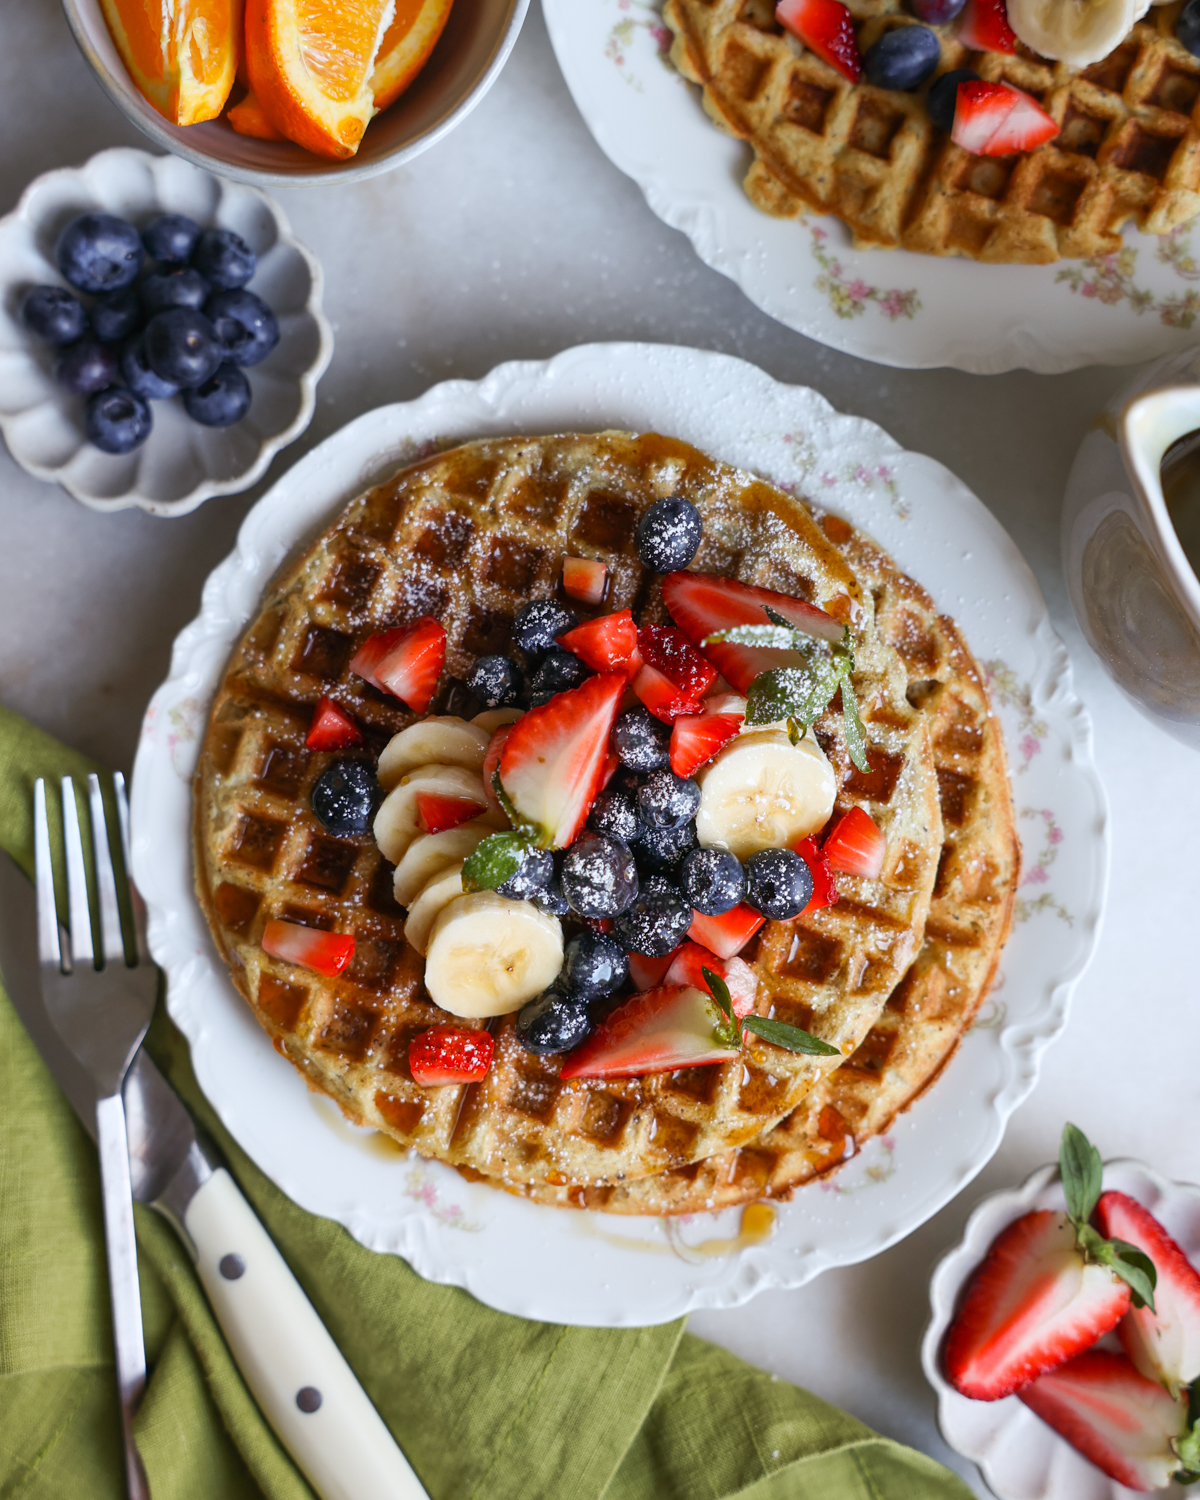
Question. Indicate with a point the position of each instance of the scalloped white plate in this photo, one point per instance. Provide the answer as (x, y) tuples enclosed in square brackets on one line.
[(887, 305), (1020, 1456), (572, 1267)]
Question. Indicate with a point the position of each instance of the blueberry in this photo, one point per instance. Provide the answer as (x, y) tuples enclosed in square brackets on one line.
[(85, 367), (454, 697), (668, 535), (559, 672), (642, 742), (942, 99), (52, 314), (344, 797), (496, 681), (117, 420), (902, 58), (539, 623), (936, 12), (170, 238), (535, 874), (712, 880), (778, 883), (99, 253), (662, 850), (181, 346), (615, 813), (116, 315), (246, 326), (224, 258), (221, 401), (552, 899), (178, 287), (1187, 27), (594, 966), (657, 922), (553, 1023), (139, 377), (599, 875), (667, 800)]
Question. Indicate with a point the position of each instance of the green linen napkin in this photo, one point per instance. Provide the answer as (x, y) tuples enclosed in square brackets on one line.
[(486, 1406)]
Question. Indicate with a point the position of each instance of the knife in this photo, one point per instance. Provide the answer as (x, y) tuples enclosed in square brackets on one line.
[(297, 1374)]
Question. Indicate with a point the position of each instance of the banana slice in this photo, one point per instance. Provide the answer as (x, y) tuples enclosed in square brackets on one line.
[(397, 821), (438, 891), (487, 956), (445, 741), (1076, 32), (430, 853), (763, 792), (492, 719)]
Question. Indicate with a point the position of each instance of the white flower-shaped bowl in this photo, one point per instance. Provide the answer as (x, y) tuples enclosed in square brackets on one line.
[(1019, 1455), (181, 464)]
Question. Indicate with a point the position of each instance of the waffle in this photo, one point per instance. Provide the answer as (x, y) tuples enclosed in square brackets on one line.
[(470, 536), (1128, 147)]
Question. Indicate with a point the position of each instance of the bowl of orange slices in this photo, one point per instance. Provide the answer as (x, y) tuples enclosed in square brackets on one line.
[(274, 92)]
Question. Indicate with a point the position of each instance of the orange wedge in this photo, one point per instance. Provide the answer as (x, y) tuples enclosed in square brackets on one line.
[(406, 45), (248, 118), (182, 57), (310, 67)]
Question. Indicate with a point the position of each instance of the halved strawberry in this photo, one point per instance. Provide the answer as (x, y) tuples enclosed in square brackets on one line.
[(984, 27), (671, 1027), (670, 652), (727, 934), (980, 108), (828, 28), (856, 846), (606, 643), (308, 947), (611, 766), (332, 728), (450, 1054), (585, 579), (1165, 1344), (435, 814), (660, 695), (491, 764), (1026, 127), (825, 891), (689, 962), (649, 973), (555, 756), (695, 739), (1118, 1419), (371, 653), (406, 662), (1033, 1303)]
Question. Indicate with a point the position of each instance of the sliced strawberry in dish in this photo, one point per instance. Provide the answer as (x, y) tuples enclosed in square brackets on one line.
[(825, 891), (405, 662), (671, 1027), (1026, 127), (689, 963), (727, 934), (606, 643), (332, 728), (611, 766), (308, 947), (450, 1054), (648, 973), (491, 764), (828, 28), (1033, 1304), (670, 652), (1164, 1344), (725, 702), (695, 739), (372, 652), (980, 108), (585, 579), (1118, 1419), (435, 814), (984, 27), (856, 846), (660, 695), (555, 757)]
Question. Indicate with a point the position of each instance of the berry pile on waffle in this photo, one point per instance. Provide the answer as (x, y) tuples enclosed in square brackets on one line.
[(572, 812)]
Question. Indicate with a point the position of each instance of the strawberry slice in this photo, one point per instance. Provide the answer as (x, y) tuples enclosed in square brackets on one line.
[(607, 643), (671, 1027), (648, 973), (585, 579), (332, 728), (689, 962), (825, 891), (856, 846), (1164, 1345), (980, 108), (491, 764), (1025, 127), (695, 739), (435, 814), (450, 1054), (984, 27), (309, 947), (372, 652), (405, 662), (555, 757), (1112, 1414), (660, 695), (670, 652), (727, 934), (1031, 1305), (828, 28)]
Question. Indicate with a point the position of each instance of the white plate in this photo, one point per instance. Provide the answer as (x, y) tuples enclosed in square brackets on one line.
[(886, 305), (585, 1268), (1020, 1456)]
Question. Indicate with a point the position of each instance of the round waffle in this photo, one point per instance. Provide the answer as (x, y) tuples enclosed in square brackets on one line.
[(469, 536)]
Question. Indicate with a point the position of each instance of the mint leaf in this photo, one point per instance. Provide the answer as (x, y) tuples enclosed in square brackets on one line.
[(1082, 1173), (494, 860), (856, 735), (791, 693), (719, 990), (790, 1037), (776, 637)]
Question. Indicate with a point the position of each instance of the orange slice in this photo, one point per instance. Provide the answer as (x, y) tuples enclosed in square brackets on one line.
[(248, 118), (181, 57), (406, 45), (310, 66)]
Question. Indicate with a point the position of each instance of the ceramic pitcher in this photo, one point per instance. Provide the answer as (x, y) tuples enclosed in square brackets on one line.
[(1136, 595)]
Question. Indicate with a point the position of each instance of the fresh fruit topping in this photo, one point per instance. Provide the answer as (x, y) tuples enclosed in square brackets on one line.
[(117, 421), (530, 879), (539, 624), (554, 1022), (450, 1054), (183, 57), (984, 27), (665, 800), (615, 813), (99, 253), (672, 1027), (435, 813), (980, 110), (343, 798), (1163, 1344), (308, 947), (117, 315), (828, 28), (599, 876), (825, 891), (778, 883), (552, 900), (726, 935), (695, 739), (491, 765), (443, 740), (656, 922), (443, 887), (1025, 128), (648, 973), (856, 845), (178, 286), (942, 98), (221, 400), (1124, 1423), (181, 346), (936, 12), (1077, 34), (398, 820), (664, 700), (594, 966), (430, 853), (406, 662), (903, 58), (1187, 27), (496, 681), (585, 579), (224, 258), (85, 367), (332, 728), (485, 956), (668, 535), (778, 1033), (139, 377), (670, 652), (405, 47), (558, 672), (170, 238), (763, 792), (53, 315), (247, 329), (663, 850), (607, 643), (687, 966), (641, 741), (712, 880)]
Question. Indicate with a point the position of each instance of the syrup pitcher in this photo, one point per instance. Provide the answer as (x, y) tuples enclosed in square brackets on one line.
[(1131, 542)]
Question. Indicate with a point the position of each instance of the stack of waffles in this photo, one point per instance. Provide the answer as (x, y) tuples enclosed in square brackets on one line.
[(890, 976)]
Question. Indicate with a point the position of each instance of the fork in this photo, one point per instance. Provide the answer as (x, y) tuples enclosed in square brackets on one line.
[(101, 1011)]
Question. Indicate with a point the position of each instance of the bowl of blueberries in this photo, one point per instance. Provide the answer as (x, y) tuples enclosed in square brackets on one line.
[(161, 333)]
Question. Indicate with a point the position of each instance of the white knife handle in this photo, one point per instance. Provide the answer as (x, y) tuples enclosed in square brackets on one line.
[(305, 1388)]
